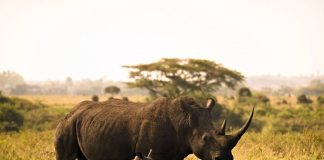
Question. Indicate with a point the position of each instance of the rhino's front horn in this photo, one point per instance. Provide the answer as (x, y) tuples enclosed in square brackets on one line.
[(235, 137)]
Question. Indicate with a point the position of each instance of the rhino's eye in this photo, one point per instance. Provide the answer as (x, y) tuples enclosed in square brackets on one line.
[(206, 137)]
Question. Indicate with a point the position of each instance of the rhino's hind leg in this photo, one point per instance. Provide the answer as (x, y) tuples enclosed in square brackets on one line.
[(80, 155), (66, 149), (66, 145)]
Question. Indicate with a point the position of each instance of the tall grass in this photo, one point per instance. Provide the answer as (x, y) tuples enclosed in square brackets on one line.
[(27, 145), (309, 145), (278, 132)]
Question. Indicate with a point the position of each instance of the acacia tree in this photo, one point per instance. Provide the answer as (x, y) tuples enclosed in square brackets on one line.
[(112, 90), (174, 77)]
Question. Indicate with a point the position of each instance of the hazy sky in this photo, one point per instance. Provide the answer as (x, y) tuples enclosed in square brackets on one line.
[(53, 39)]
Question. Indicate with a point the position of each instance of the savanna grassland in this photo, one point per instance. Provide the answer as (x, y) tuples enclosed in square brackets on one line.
[(279, 130)]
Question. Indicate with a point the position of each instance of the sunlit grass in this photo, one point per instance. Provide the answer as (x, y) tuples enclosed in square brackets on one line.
[(268, 144), (308, 145), (27, 145), (32, 145)]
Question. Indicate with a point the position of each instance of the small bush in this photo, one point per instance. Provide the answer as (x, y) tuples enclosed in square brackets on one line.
[(303, 99), (254, 99), (125, 98), (244, 92), (95, 98), (10, 118), (4, 99), (20, 114), (244, 95), (284, 101), (263, 98), (295, 120), (320, 100)]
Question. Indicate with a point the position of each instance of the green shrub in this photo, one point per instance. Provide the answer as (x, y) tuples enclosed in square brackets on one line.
[(95, 98), (4, 99), (125, 99), (320, 100), (284, 101), (303, 99), (245, 96), (244, 92), (35, 116), (262, 98), (295, 120), (10, 118), (254, 99)]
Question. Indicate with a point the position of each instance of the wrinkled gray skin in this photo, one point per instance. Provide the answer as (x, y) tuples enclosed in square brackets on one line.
[(116, 130)]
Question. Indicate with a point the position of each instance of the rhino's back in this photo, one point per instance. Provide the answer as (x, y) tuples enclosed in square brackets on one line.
[(108, 130)]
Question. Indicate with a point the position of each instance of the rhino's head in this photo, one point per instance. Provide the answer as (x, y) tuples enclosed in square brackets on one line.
[(206, 142), (220, 145)]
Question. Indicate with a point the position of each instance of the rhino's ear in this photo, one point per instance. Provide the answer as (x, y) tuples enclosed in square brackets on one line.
[(184, 106), (187, 108), (210, 103)]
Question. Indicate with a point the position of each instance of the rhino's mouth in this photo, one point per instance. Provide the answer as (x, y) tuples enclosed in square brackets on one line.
[(223, 157)]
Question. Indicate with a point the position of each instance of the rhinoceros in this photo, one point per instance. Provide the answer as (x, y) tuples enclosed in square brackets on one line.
[(115, 130)]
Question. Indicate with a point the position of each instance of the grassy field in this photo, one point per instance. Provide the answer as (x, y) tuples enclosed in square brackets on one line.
[(31, 145), (292, 132)]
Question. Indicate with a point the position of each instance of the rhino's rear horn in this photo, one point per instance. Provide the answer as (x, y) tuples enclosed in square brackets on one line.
[(222, 130)]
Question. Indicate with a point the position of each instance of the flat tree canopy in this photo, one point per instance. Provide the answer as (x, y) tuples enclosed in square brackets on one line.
[(112, 90), (174, 77)]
